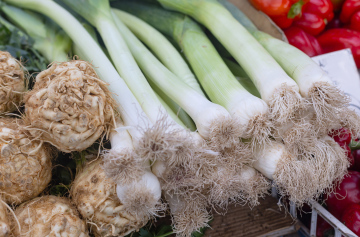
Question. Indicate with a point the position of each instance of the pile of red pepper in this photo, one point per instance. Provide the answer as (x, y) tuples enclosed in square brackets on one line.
[(317, 26)]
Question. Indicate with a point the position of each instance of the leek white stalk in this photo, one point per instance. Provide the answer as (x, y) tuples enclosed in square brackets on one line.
[(305, 176), (220, 85), (49, 39), (298, 134), (328, 101), (212, 121), (137, 187), (277, 89)]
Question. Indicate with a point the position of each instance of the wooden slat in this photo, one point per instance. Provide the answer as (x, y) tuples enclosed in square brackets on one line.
[(263, 220)]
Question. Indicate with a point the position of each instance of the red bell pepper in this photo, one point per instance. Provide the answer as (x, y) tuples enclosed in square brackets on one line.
[(322, 8), (356, 155), (316, 14), (323, 228), (348, 9), (335, 23), (272, 7), (355, 21), (303, 41), (347, 193), (337, 4), (341, 136), (337, 39), (351, 218), (282, 21)]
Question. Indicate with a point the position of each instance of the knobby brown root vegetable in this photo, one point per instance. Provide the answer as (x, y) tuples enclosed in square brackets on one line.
[(4, 221), (25, 164), (48, 216), (69, 107), (95, 197), (12, 83)]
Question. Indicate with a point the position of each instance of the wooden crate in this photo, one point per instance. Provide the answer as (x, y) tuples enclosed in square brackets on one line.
[(266, 219)]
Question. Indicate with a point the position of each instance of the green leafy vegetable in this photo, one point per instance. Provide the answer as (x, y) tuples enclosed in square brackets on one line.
[(20, 46)]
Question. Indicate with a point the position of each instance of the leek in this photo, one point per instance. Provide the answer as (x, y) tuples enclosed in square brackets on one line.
[(216, 79), (306, 176), (277, 89), (242, 77), (249, 184), (164, 50), (328, 101), (212, 121), (174, 110)]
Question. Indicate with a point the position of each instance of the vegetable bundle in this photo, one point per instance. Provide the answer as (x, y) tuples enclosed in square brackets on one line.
[(262, 114)]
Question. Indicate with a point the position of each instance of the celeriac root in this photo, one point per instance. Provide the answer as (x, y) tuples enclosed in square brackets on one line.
[(4, 221), (69, 107), (12, 83), (95, 197), (25, 164), (48, 216)]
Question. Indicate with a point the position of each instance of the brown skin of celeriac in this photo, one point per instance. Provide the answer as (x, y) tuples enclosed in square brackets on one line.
[(69, 106), (12, 83), (94, 195), (48, 216), (4, 221), (25, 163)]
